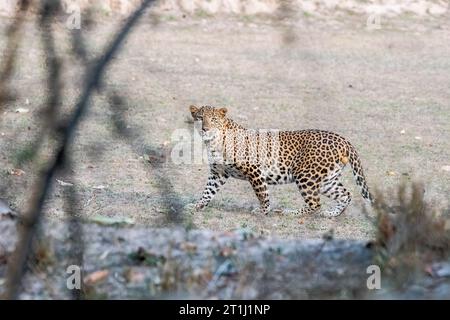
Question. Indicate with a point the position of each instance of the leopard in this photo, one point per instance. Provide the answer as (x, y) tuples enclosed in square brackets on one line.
[(313, 159)]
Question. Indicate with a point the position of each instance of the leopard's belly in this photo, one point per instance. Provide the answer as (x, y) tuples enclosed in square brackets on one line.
[(273, 175)]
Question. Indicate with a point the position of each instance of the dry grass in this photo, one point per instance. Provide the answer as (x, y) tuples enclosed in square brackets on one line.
[(410, 233)]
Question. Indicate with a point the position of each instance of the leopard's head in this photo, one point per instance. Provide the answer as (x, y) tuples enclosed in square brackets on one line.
[(213, 120)]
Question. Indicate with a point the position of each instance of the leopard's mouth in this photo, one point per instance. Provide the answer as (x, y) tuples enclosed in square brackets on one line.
[(208, 135)]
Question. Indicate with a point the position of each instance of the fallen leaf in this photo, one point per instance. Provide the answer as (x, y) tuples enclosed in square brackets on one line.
[(104, 255), (134, 276), (96, 277), (64, 184), (189, 247), (16, 172), (429, 270), (108, 221)]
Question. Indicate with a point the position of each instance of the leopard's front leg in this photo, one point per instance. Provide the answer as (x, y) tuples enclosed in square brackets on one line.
[(215, 181), (262, 192)]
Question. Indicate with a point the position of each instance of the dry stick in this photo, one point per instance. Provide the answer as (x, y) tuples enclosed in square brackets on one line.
[(16, 266)]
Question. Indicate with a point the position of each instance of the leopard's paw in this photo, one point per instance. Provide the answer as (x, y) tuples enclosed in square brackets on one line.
[(199, 206), (260, 211), (291, 212)]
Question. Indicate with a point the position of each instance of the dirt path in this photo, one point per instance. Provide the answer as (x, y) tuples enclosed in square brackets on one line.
[(386, 90)]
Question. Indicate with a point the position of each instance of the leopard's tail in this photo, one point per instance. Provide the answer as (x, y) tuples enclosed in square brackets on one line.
[(358, 173)]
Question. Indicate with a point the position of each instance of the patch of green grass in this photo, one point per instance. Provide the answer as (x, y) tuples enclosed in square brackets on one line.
[(200, 13), (415, 147), (313, 226), (24, 155), (286, 201), (168, 17), (246, 18)]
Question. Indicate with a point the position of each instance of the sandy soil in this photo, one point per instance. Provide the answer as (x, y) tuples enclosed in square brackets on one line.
[(386, 90)]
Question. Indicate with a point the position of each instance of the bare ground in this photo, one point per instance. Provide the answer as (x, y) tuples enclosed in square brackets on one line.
[(386, 90)]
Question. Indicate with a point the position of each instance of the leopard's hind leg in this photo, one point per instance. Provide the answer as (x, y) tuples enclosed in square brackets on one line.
[(262, 193), (333, 189), (309, 189), (336, 191)]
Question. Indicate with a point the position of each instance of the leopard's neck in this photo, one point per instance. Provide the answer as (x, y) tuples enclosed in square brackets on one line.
[(231, 124)]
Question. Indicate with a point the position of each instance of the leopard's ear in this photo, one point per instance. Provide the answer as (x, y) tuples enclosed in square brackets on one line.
[(223, 111), (193, 109)]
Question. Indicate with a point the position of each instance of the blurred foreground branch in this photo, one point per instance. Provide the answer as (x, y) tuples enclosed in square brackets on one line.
[(29, 222)]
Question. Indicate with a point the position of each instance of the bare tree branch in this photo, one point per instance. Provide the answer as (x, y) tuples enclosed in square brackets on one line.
[(16, 265)]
